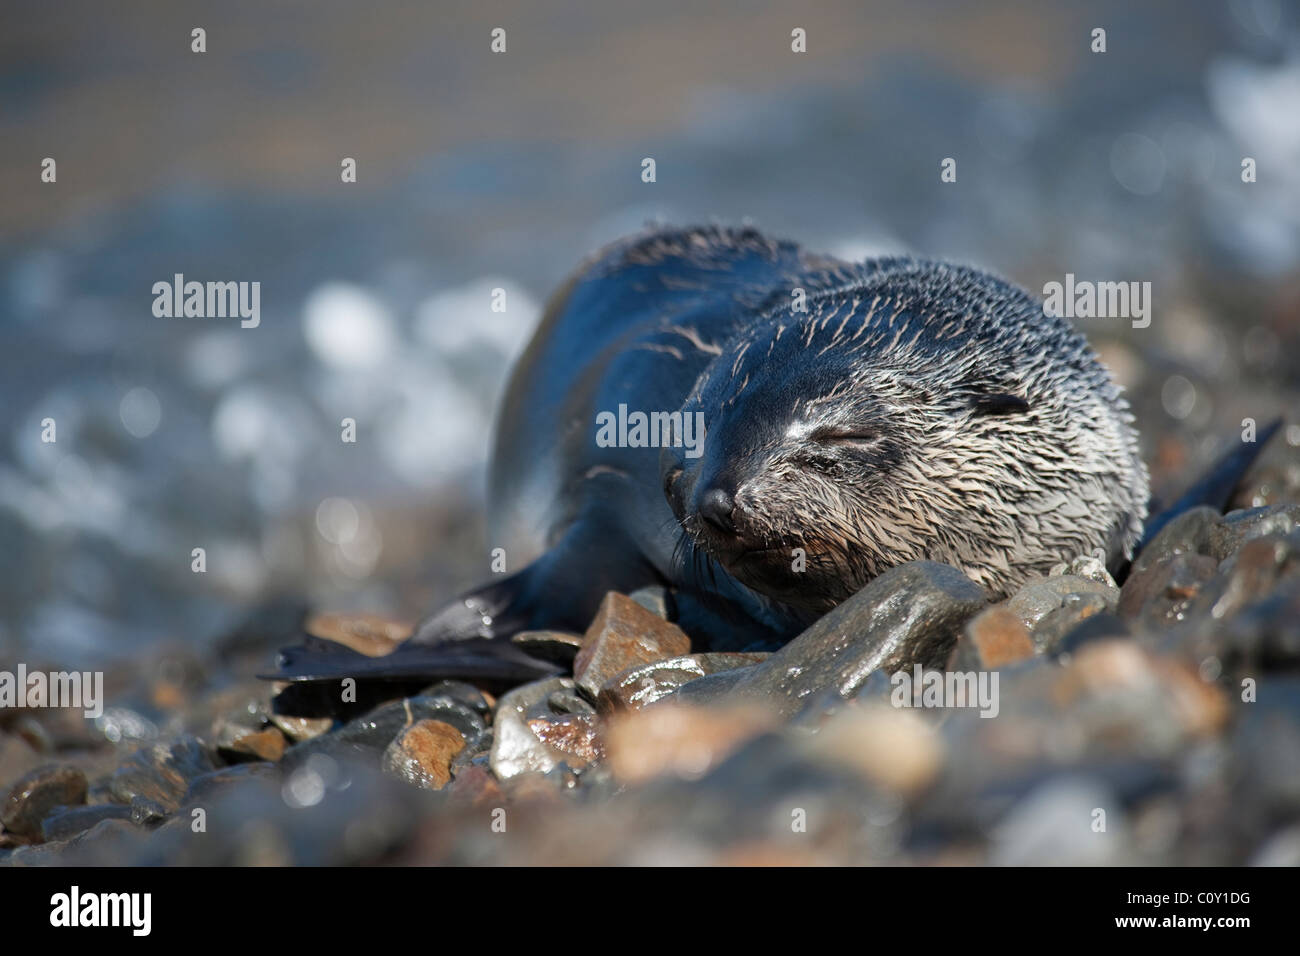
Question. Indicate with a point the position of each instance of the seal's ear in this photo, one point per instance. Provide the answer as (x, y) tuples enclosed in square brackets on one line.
[(1000, 404)]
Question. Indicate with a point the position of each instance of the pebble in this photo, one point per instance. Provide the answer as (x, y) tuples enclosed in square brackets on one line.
[(475, 751), (1159, 592), (647, 683), (266, 744), (146, 812), (654, 599), (993, 638), (476, 785), (622, 635), (894, 748), (1189, 533), (371, 634), (558, 646), (1268, 485), (1075, 609), (206, 788), (30, 800), (298, 729), (1158, 702), (1051, 827), (464, 694), (516, 748), (1097, 627), (368, 737), (422, 753), (1233, 530), (1040, 596), (67, 822), (1092, 568), (107, 843), (160, 773), (679, 739), (911, 614), (576, 736)]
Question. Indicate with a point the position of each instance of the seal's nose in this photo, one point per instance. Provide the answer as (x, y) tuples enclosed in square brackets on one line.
[(716, 507)]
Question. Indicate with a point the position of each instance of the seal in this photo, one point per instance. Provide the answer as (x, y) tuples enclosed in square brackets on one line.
[(856, 416)]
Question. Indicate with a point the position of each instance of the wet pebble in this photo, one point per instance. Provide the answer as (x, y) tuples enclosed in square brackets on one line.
[(1159, 592), (159, 773), (576, 736), (67, 822), (298, 729), (1189, 533), (1040, 596), (206, 788), (368, 736), (1075, 609), (622, 635), (558, 646), (1234, 529), (894, 748), (422, 753), (30, 800), (911, 614), (516, 748), (266, 744), (654, 599), (1092, 568), (992, 639), (146, 812), (679, 740), (371, 634), (646, 683)]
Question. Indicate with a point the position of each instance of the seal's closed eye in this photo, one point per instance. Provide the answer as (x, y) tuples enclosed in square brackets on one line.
[(838, 435), (1000, 404)]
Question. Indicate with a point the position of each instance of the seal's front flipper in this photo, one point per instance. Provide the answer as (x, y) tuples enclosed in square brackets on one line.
[(474, 659), (469, 639), (466, 640)]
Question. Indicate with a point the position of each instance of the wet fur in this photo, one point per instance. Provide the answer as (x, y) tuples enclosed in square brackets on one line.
[(997, 442)]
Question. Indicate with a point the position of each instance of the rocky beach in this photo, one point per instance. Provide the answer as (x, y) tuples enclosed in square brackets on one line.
[(1158, 722)]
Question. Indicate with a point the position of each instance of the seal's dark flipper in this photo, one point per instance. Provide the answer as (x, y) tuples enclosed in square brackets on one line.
[(469, 638), (471, 659), (1214, 489), (466, 640)]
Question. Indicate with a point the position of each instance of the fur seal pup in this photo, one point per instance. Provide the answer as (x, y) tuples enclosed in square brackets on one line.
[(856, 416)]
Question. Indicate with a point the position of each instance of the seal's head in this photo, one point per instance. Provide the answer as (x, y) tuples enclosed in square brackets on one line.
[(917, 411)]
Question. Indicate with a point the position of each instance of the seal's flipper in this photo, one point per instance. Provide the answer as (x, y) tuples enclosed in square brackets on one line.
[(469, 638), (471, 659)]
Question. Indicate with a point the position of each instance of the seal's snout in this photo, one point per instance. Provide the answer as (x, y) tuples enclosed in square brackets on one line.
[(717, 507)]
